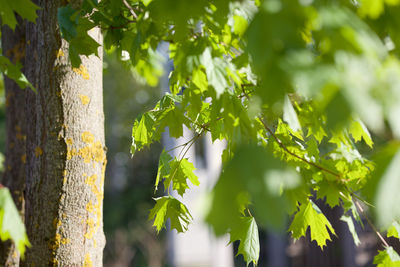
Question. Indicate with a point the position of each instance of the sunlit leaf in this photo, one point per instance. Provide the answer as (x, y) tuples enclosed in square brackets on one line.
[(170, 208), (246, 231), (311, 216), (387, 258), (11, 225)]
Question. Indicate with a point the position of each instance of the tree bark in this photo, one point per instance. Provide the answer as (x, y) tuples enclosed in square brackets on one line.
[(13, 44), (65, 149)]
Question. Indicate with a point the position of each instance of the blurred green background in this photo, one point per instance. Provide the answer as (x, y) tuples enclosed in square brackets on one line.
[(131, 241)]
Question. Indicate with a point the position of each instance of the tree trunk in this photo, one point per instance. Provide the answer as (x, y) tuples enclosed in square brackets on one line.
[(13, 44), (65, 149)]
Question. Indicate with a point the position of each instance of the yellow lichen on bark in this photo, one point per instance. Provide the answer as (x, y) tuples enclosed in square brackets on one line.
[(65, 177), (91, 152), (55, 244), (38, 151), (23, 158), (8, 99), (87, 137), (20, 136), (84, 99), (82, 71), (87, 261), (60, 53), (94, 151), (94, 209), (90, 207), (56, 223), (71, 152)]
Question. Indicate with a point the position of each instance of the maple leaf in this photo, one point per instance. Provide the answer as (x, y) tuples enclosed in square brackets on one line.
[(163, 167), (387, 258), (170, 208), (246, 231), (180, 171), (394, 230), (311, 216), (11, 225)]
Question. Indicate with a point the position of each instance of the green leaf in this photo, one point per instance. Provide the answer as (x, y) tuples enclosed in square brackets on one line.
[(149, 66), (74, 28), (311, 216), (382, 187), (13, 71), (7, 14), (82, 45), (349, 220), (170, 208), (290, 116), (11, 225), (240, 25), (164, 168), (174, 119), (247, 232), (200, 79), (394, 230), (67, 22), (180, 171), (358, 130), (331, 191), (25, 8), (371, 8), (146, 2), (215, 70), (142, 132), (387, 258)]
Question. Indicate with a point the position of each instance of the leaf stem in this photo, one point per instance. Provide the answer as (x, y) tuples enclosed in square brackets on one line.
[(178, 146)]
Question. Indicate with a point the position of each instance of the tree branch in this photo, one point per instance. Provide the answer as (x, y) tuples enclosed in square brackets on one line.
[(130, 9)]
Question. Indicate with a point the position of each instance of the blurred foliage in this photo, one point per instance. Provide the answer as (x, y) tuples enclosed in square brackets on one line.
[(131, 241), (2, 116)]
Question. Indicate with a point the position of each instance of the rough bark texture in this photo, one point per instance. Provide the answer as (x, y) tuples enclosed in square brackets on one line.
[(65, 149), (13, 44)]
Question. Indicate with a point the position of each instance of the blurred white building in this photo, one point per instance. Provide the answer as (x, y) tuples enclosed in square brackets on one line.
[(198, 247)]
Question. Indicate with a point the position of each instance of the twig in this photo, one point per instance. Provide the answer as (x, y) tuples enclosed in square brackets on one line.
[(295, 155), (184, 144), (285, 148), (359, 198), (371, 224), (130, 8), (248, 211), (191, 142)]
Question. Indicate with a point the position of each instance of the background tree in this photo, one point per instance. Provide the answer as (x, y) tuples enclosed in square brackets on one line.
[(13, 45)]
